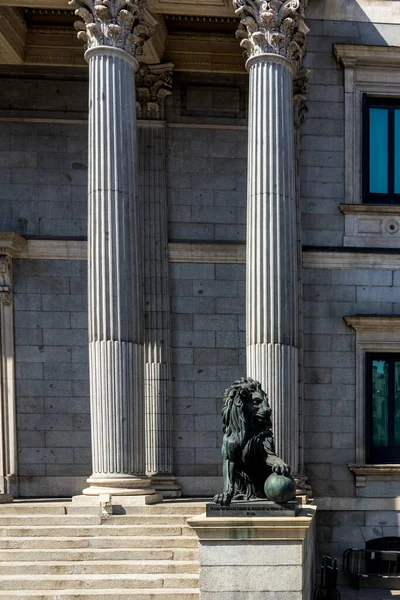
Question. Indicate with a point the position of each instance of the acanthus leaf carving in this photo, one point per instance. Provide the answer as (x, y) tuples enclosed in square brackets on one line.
[(153, 85), (5, 279), (123, 24), (272, 27), (300, 93)]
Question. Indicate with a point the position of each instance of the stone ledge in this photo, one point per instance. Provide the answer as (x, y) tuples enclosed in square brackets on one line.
[(241, 529), (374, 56), (371, 226), (362, 472), (12, 244)]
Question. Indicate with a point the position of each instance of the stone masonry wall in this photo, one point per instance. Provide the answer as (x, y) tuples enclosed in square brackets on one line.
[(208, 342), (43, 179), (53, 416)]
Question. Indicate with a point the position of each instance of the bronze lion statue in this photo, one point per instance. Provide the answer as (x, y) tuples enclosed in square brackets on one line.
[(248, 447)]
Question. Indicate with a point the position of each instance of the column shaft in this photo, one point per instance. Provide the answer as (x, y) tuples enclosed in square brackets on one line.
[(8, 421), (272, 263), (115, 284), (153, 193)]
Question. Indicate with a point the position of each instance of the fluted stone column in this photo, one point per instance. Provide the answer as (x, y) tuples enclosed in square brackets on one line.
[(153, 84), (8, 426), (273, 35), (114, 32)]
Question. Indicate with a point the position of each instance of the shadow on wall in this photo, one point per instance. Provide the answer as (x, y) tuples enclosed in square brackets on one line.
[(16, 225), (374, 23)]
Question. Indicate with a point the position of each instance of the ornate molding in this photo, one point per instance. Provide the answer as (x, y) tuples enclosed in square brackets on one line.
[(153, 85), (123, 24), (11, 244), (272, 27), (5, 279), (362, 472), (300, 93)]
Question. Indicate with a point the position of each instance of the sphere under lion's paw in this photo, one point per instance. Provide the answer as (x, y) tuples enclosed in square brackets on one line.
[(280, 488)]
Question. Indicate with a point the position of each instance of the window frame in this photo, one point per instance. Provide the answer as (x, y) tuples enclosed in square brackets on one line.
[(378, 335), (375, 454), (390, 103)]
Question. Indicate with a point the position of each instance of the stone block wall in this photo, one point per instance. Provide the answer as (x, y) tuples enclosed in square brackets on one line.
[(43, 179), (207, 184), (53, 416), (208, 341)]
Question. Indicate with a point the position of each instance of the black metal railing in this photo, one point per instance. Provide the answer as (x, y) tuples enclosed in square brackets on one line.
[(329, 572), (372, 563)]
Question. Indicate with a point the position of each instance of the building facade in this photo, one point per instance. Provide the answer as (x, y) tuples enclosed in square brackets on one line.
[(311, 167)]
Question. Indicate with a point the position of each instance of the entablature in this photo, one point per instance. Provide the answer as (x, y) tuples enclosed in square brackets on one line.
[(194, 35)]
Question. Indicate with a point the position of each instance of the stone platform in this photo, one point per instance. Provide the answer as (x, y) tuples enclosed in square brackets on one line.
[(262, 558)]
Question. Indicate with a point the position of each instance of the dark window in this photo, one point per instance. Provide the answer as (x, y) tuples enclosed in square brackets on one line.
[(383, 408), (381, 150)]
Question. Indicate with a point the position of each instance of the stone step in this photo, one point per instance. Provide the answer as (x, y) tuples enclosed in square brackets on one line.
[(36, 508), (95, 531), (56, 520), (65, 555), (186, 508), (178, 541), (182, 508), (100, 567), (68, 582), (146, 520), (103, 594)]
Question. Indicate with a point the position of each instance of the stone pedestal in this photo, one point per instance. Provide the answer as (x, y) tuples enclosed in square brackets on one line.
[(269, 558)]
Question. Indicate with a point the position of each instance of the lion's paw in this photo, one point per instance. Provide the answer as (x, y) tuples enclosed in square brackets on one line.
[(223, 499)]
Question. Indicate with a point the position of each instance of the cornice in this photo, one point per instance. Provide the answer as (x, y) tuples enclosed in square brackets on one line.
[(189, 7), (201, 20), (373, 322), (367, 56)]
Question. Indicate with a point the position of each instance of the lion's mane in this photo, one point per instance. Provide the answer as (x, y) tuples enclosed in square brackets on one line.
[(234, 397)]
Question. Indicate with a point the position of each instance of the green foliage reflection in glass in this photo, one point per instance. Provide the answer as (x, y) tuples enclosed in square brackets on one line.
[(397, 403), (380, 393)]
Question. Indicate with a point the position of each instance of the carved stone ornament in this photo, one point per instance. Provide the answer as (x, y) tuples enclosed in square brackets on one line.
[(272, 27), (123, 24), (153, 85), (5, 279), (300, 93)]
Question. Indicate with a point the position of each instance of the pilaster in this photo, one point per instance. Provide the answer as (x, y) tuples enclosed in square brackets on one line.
[(273, 36), (115, 32), (10, 245), (153, 84)]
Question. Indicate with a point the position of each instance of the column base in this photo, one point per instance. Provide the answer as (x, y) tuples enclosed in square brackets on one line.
[(167, 485), (136, 489), (105, 499), (6, 498)]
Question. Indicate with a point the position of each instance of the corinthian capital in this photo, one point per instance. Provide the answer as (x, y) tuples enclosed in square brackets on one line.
[(5, 279), (123, 24), (153, 85), (272, 27)]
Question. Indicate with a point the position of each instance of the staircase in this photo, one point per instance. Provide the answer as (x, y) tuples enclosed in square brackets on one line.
[(61, 551)]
